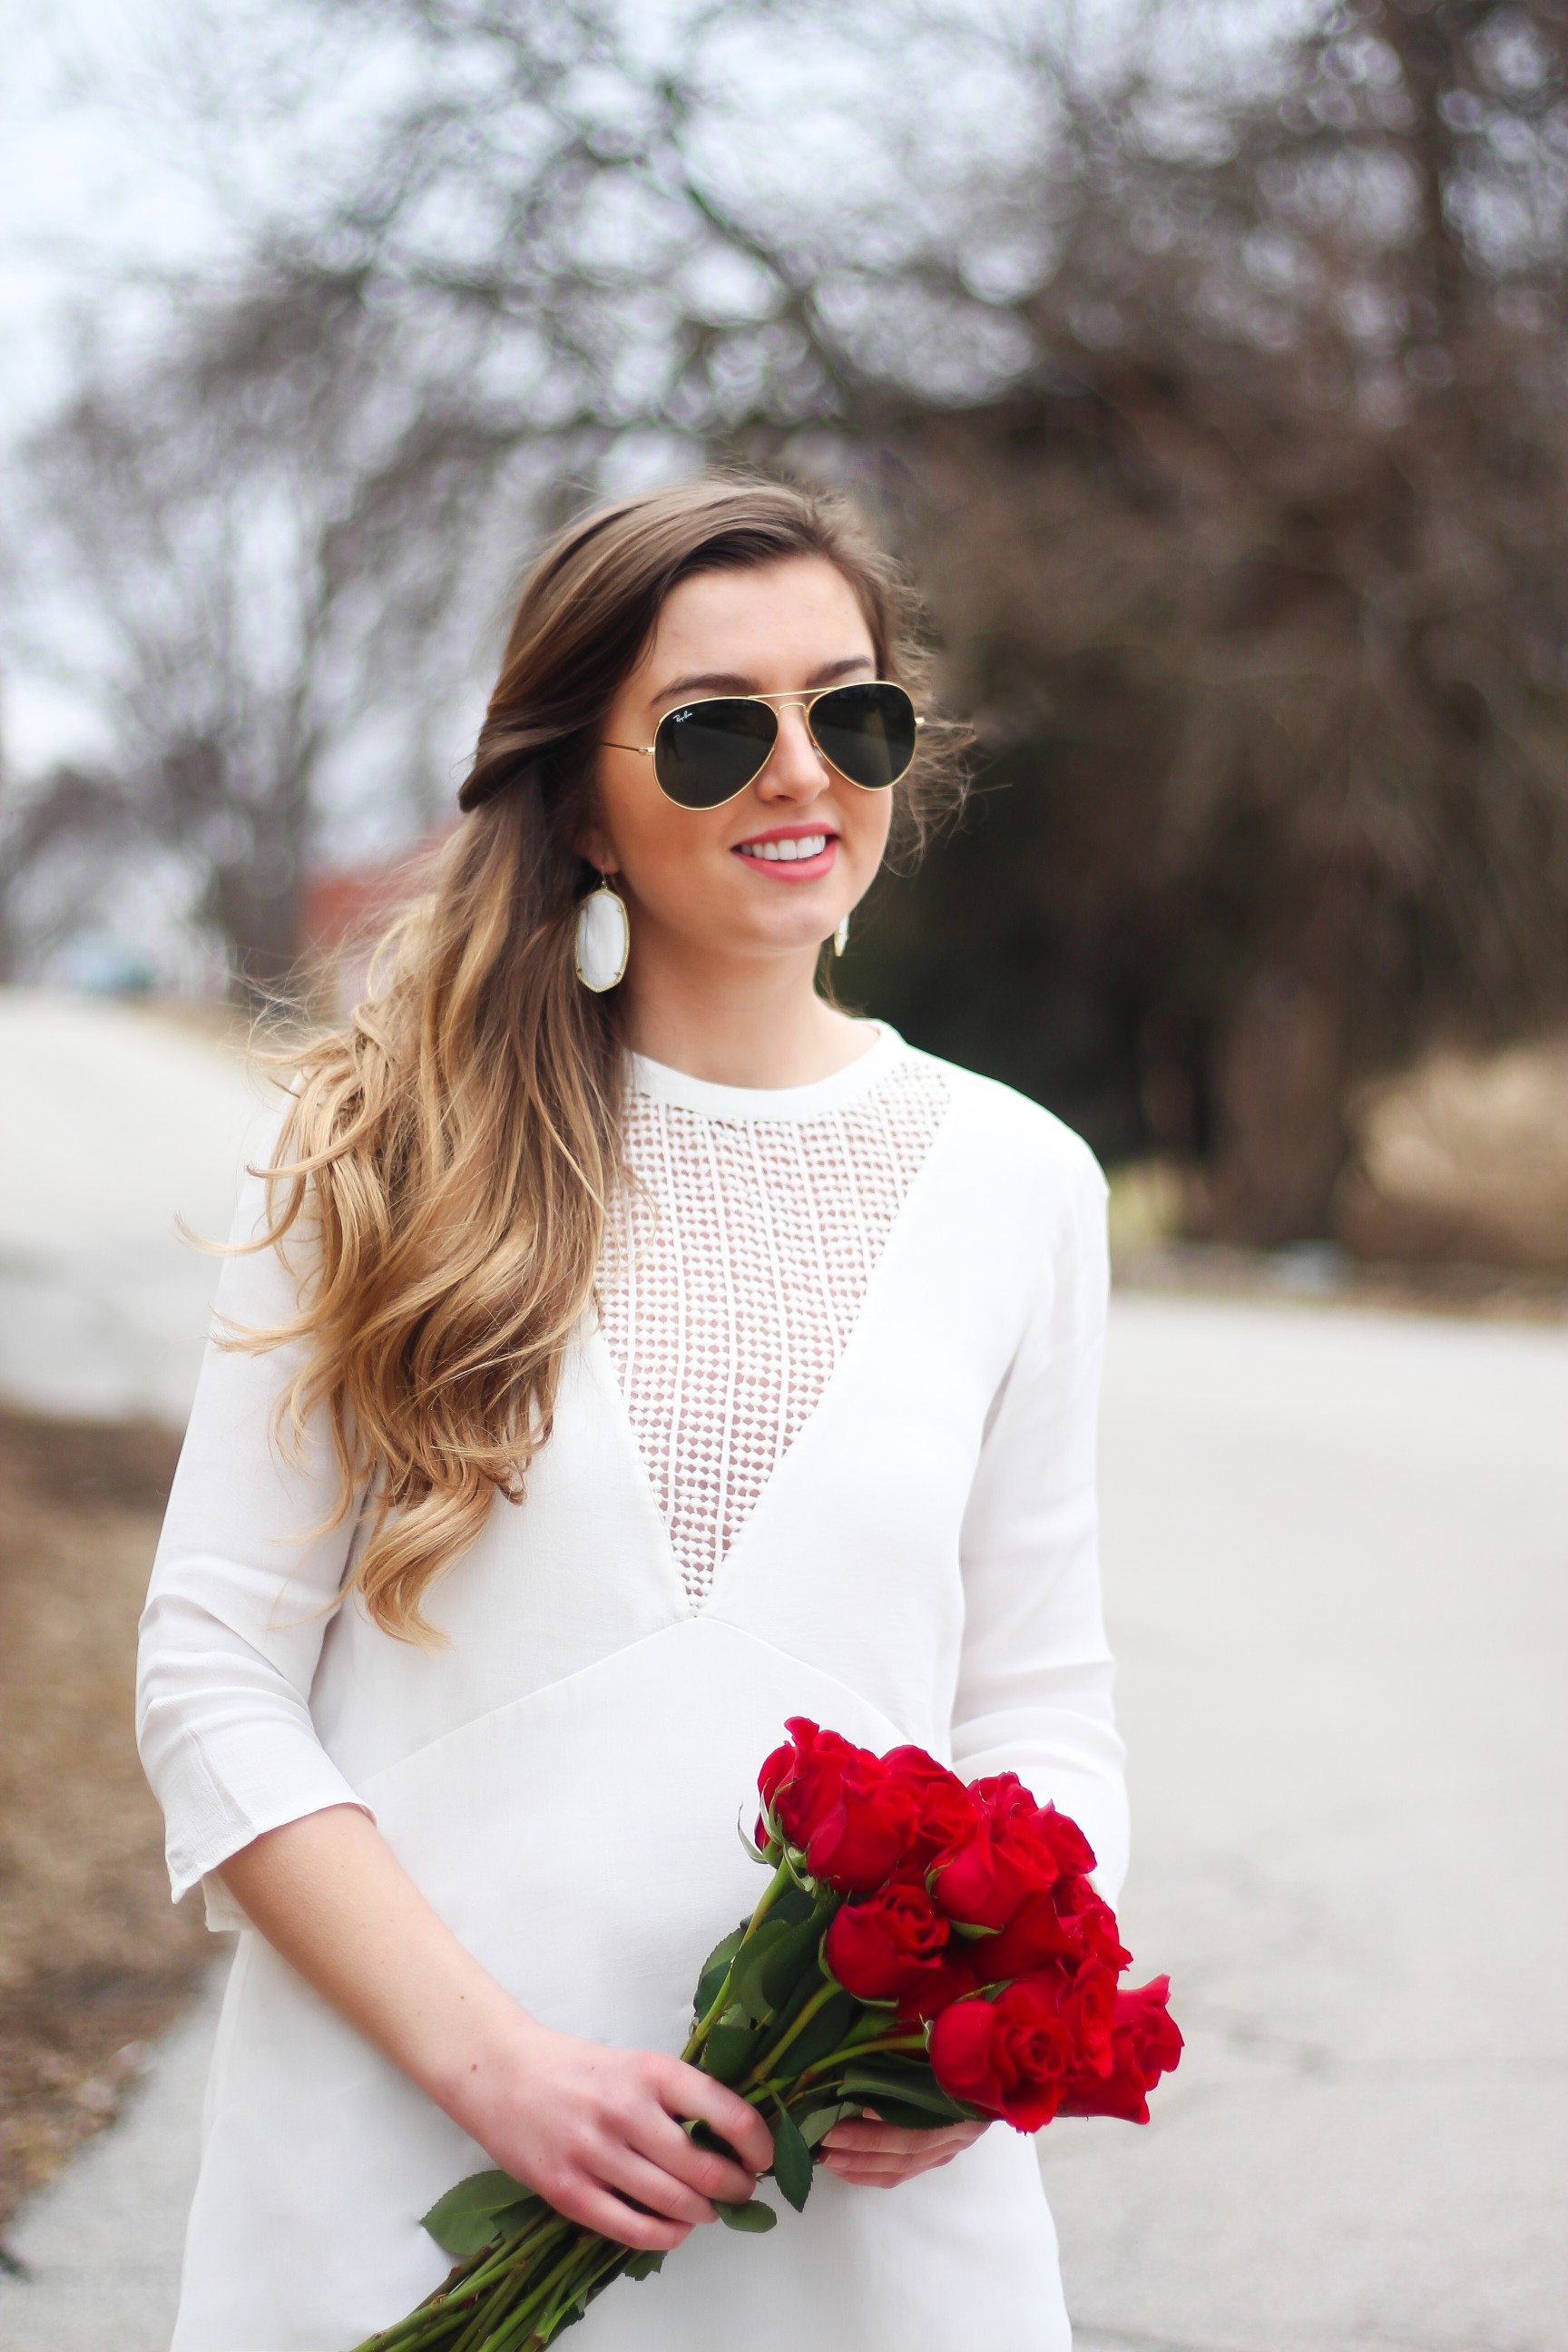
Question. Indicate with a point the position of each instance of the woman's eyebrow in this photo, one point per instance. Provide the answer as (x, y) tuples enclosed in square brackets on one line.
[(722, 681)]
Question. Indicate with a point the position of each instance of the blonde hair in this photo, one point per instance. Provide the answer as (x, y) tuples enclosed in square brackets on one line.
[(451, 1151)]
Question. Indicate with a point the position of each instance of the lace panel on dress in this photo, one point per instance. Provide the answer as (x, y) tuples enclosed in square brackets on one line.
[(734, 1270)]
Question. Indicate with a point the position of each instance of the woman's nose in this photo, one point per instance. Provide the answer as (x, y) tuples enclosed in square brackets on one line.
[(796, 769)]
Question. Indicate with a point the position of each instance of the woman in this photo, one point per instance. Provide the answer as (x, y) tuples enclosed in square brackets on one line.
[(631, 1350)]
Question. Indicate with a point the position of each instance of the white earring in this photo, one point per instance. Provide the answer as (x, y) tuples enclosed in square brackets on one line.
[(841, 936), (604, 939)]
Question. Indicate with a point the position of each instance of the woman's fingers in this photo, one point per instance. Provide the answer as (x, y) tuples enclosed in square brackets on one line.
[(870, 2154), (698, 2095), (867, 2135), (626, 2171), (664, 2143), (597, 2209)]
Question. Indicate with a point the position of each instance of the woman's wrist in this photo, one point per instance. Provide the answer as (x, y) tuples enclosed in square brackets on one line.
[(475, 2068)]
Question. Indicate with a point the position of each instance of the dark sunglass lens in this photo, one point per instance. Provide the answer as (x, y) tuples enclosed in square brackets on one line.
[(705, 752), (867, 733)]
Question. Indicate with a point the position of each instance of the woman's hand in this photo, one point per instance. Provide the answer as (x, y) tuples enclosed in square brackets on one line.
[(590, 2127), (874, 2155), (586, 2126)]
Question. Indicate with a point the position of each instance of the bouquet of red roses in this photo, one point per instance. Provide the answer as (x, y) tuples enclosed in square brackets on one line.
[(929, 1948)]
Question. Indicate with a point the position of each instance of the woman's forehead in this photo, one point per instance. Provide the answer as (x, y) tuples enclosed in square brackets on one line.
[(743, 624)]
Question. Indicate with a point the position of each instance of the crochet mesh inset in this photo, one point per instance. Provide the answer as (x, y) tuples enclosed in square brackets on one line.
[(732, 1277)]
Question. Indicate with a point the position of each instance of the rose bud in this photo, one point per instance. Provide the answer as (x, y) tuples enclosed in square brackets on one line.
[(1008, 2056), (1145, 2042), (983, 1881), (884, 1947), (1042, 1930), (840, 1806), (945, 1806)]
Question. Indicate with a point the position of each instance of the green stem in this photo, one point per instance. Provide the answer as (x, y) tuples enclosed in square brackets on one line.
[(510, 2338), (419, 2332), (860, 2050), (498, 2279), (768, 2062), (602, 2261), (781, 1878), (455, 2306)]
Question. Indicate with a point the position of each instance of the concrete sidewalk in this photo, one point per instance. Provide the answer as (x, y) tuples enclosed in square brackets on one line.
[(100, 2246), (1337, 1564), (123, 1116), (1336, 1548)]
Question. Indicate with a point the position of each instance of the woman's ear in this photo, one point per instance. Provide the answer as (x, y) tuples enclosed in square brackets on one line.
[(593, 845)]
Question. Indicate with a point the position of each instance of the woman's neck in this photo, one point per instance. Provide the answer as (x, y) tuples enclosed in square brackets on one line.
[(754, 1023)]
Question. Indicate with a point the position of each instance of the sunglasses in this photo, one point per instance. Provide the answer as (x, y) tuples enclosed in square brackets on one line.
[(705, 752)]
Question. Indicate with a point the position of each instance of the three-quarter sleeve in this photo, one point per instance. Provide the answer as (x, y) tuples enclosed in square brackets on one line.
[(1035, 1675), (247, 1577)]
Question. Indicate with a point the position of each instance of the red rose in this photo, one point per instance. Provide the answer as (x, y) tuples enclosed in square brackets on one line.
[(1064, 1840), (946, 1807), (850, 1817), (1035, 1936), (954, 1978), (1014, 1849), (1145, 2042), (1010, 2056), (1068, 1922), (1089, 2008), (887, 1945)]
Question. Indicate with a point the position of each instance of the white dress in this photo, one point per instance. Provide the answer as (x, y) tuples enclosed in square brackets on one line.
[(826, 1448)]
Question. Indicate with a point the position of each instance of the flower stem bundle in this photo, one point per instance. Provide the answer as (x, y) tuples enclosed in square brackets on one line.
[(924, 1949)]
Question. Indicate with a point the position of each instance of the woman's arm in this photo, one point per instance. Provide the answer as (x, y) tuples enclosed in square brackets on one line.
[(248, 1576), (587, 2125), (1034, 1681), (1035, 1674)]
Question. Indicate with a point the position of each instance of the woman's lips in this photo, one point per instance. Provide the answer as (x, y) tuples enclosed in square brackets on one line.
[(790, 857)]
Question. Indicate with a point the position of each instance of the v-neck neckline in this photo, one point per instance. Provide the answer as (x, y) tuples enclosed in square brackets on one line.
[(623, 1331), (817, 1100)]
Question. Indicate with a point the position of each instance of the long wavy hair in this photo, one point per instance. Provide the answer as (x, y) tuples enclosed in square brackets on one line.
[(449, 1155)]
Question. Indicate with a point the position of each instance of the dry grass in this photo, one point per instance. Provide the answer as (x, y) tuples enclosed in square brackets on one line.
[(93, 1958)]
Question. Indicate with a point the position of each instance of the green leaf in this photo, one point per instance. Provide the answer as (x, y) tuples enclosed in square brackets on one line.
[(485, 2207), (727, 2053), (644, 2263), (793, 1906), (817, 2125), (876, 2083), (792, 2160), (825, 2032), (715, 1968), (808, 1985), (794, 1952), (911, 2118), (703, 2135), (756, 2218), (749, 1991)]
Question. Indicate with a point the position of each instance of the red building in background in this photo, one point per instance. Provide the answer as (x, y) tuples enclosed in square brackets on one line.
[(345, 912)]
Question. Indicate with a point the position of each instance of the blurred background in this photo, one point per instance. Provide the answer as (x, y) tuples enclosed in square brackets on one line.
[(1206, 360)]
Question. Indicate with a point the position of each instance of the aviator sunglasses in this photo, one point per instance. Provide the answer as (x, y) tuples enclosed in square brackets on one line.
[(705, 752)]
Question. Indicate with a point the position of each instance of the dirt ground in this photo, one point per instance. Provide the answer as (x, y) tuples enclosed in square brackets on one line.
[(94, 1960)]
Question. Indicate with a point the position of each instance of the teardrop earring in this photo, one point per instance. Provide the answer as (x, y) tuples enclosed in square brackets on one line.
[(841, 936), (604, 939)]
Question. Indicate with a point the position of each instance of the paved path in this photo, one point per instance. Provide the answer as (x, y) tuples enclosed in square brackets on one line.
[(118, 1119), (101, 2244), (1336, 1548)]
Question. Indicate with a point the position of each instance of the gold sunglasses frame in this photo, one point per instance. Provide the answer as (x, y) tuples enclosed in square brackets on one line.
[(777, 703)]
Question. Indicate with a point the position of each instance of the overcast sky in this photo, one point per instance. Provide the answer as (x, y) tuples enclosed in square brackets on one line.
[(99, 183)]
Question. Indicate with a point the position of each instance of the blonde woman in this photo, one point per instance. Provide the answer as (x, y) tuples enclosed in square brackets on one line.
[(631, 1350)]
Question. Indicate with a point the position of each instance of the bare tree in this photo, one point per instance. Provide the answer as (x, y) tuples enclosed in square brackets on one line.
[(263, 546), (1261, 580), (1218, 397)]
